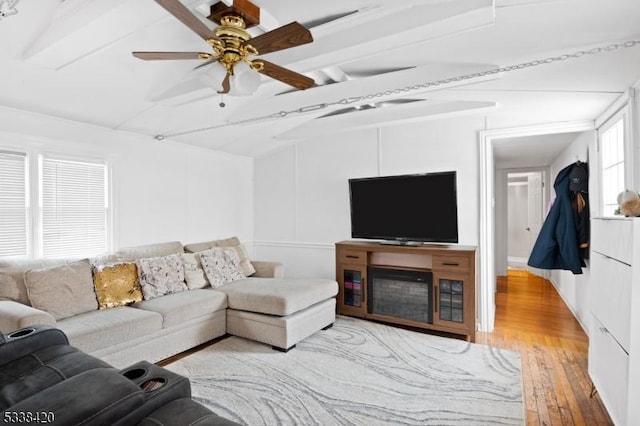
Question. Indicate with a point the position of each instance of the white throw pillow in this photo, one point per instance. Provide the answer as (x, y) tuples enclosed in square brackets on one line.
[(221, 265), (161, 275), (193, 272)]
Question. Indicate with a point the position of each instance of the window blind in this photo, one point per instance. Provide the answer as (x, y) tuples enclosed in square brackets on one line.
[(73, 208), (13, 204)]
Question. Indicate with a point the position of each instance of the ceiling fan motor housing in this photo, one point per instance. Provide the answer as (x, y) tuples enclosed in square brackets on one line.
[(232, 33)]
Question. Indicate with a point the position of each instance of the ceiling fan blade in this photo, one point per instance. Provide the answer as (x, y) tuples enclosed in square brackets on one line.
[(285, 75), (226, 84), (287, 36), (185, 16), (247, 9), (244, 8), (154, 56)]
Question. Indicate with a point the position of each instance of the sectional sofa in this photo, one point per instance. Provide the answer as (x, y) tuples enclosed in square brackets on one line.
[(260, 304)]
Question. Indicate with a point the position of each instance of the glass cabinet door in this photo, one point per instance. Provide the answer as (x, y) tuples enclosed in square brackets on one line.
[(352, 288), (451, 300), (450, 296), (351, 296)]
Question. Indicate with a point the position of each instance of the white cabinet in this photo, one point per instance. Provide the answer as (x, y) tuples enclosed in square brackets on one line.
[(614, 337), (609, 370), (611, 296)]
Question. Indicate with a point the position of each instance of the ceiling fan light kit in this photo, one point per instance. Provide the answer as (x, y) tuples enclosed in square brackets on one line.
[(233, 47)]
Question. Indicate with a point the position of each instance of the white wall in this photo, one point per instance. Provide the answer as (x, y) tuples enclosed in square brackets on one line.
[(162, 191), (302, 198), (635, 132), (574, 289)]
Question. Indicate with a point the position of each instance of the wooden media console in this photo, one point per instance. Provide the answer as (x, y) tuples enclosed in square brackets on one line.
[(428, 286)]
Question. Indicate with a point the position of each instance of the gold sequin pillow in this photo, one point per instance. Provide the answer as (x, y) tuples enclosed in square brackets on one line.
[(116, 285)]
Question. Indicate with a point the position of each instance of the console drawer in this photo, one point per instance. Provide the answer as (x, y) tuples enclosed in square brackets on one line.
[(451, 263), (354, 257)]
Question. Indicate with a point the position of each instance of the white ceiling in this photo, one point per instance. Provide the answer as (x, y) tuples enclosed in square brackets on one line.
[(72, 59)]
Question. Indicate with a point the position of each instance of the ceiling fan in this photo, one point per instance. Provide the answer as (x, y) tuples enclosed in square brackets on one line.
[(233, 47)]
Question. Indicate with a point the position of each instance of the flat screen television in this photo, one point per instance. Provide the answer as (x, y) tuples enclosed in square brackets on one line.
[(406, 208)]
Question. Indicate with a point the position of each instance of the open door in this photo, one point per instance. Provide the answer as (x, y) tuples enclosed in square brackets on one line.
[(535, 216), (525, 216)]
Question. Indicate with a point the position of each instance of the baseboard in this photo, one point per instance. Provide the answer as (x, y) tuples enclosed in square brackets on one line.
[(555, 285), (517, 262)]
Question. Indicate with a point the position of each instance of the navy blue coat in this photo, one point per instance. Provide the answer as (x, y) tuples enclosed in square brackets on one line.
[(557, 245)]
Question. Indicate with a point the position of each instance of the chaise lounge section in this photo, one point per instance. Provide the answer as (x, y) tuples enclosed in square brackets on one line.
[(279, 312)]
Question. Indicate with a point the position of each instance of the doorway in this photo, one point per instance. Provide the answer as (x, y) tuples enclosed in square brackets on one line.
[(489, 196), (525, 214)]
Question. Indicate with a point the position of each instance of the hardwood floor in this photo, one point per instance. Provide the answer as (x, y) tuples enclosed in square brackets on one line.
[(533, 320)]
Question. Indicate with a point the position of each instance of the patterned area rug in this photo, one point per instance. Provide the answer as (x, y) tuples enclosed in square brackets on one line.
[(358, 373)]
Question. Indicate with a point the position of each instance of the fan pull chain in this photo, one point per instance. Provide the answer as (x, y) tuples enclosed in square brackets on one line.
[(426, 85), (222, 104)]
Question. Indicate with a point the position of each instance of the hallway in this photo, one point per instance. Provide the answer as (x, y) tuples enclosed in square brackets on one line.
[(533, 320)]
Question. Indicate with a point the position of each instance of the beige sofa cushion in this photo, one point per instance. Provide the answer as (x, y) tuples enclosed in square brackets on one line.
[(12, 276), (63, 290), (267, 269), (278, 296), (96, 330), (234, 243), (131, 254), (178, 308), (15, 315)]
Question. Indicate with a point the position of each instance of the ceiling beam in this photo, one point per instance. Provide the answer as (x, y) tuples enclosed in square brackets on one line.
[(392, 82), (376, 31), (79, 28)]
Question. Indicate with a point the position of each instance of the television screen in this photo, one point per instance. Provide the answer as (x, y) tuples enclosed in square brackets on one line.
[(420, 207)]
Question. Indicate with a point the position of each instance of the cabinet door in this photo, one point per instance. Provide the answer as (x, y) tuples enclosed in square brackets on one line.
[(611, 296), (609, 371), (352, 280), (452, 298)]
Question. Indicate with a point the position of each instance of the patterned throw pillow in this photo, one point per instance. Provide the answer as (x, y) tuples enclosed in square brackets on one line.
[(221, 265), (234, 243), (243, 258), (161, 275), (116, 284), (193, 273)]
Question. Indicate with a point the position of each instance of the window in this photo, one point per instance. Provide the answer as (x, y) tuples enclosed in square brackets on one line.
[(70, 217), (73, 207), (13, 204), (612, 162)]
